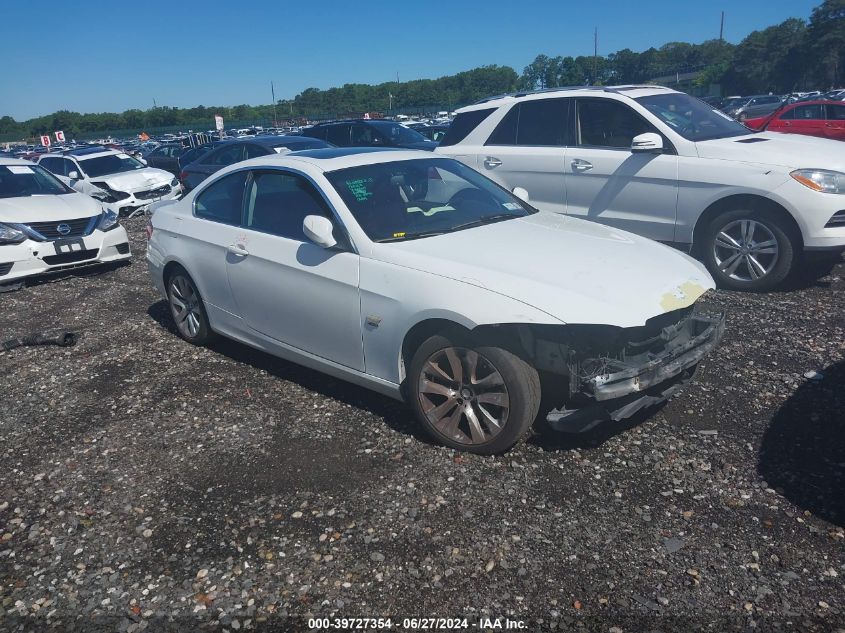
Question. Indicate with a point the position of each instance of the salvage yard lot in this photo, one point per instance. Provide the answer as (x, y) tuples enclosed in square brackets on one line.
[(146, 483)]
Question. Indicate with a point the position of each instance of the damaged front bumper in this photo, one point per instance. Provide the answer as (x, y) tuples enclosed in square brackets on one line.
[(624, 387)]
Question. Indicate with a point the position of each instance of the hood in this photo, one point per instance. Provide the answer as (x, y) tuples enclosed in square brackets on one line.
[(428, 146), (49, 208), (793, 151), (136, 180), (574, 270)]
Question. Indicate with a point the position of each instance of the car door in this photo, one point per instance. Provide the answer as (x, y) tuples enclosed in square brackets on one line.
[(528, 149), (835, 122), (287, 287), (206, 236), (607, 183), (808, 119)]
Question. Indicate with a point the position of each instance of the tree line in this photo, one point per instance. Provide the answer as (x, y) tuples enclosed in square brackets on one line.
[(793, 55)]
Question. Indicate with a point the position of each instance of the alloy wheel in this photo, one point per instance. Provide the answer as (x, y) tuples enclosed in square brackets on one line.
[(185, 306), (463, 396), (745, 250)]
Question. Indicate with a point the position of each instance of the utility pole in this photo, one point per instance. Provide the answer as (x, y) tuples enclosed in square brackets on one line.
[(595, 54), (273, 92), (722, 28)]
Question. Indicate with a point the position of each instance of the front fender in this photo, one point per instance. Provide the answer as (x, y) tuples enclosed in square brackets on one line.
[(394, 299)]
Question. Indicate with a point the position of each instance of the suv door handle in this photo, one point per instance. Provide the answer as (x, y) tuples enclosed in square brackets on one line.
[(237, 249), (491, 161), (581, 165)]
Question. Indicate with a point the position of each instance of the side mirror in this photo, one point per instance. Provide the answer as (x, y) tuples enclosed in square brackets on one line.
[(521, 193), (143, 160), (647, 143), (74, 175), (319, 229)]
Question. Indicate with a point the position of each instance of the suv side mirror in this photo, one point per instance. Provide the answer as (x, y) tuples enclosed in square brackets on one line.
[(74, 175), (647, 143), (319, 229)]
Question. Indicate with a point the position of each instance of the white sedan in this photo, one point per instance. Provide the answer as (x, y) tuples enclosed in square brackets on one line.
[(46, 226), (417, 277)]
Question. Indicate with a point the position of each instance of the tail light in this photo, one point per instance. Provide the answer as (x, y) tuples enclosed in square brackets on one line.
[(182, 176), (149, 230)]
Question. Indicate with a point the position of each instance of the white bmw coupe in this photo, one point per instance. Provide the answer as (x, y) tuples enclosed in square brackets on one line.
[(417, 277)]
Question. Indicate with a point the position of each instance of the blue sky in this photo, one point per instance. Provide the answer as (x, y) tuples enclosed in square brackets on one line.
[(108, 56)]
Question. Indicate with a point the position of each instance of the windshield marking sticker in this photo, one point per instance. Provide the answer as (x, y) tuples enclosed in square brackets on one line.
[(358, 187), (123, 155), (400, 234), (19, 169)]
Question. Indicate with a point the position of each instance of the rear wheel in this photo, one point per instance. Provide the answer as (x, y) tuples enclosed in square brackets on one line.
[(746, 249), (187, 309), (475, 398)]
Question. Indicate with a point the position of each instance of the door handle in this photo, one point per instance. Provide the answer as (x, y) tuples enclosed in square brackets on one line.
[(581, 165), (237, 249), (491, 161)]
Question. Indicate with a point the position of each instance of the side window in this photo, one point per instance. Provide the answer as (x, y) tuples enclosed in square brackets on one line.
[(537, 123), (252, 151), (338, 135), (809, 112), (278, 201), (52, 165), (788, 115), (65, 167), (158, 151), (463, 125), (223, 200), (71, 165), (362, 135), (836, 112), (226, 155), (608, 123)]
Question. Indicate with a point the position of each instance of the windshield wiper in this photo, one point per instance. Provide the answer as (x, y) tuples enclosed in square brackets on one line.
[(468, 225), (487, 220)]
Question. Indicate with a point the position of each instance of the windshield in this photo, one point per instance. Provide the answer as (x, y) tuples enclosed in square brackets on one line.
[(691, 118), (410, 199), (109, 164), (398, 134), (18, 181)]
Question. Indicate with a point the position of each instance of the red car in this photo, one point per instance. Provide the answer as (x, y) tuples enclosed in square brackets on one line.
[(813, 118)]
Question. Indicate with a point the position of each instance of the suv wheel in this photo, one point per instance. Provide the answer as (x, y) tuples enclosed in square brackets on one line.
[(187, 309), (474, 398), (748, 250)]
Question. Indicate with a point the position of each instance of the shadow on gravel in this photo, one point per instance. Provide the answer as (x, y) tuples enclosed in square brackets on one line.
[(395, 414), (87, 271), (550, 440), (810, 274), (803, 451)]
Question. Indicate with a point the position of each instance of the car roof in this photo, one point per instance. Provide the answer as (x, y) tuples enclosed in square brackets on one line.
[(339, 121), (633, 91), (273, 140), (14, 161), (332, 159)]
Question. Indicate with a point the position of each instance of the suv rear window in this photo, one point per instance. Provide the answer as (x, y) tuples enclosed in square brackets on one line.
[(463, 124)]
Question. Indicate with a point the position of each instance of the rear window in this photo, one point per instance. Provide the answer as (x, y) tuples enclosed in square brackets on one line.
[(463, 124)]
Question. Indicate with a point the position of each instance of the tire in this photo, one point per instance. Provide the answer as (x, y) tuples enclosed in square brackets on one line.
[(188, 309), (457, 404), (739, 263)]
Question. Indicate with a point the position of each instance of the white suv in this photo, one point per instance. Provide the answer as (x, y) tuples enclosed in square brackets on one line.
[(123, 183), (664, 165)]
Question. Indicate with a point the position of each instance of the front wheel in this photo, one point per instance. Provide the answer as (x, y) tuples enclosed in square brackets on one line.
[(475, 398), (748, 250)]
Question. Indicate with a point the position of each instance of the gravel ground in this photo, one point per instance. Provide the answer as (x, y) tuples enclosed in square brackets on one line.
[(149, 484)]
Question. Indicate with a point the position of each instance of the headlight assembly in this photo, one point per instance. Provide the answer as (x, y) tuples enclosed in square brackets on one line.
[(108, 221), (108, 194), (11, 235), (822, 180)]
